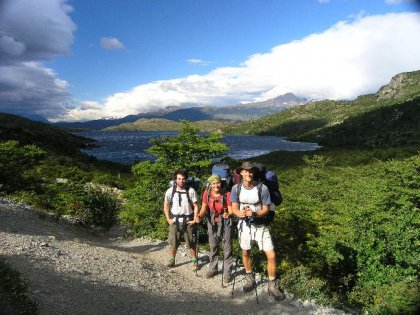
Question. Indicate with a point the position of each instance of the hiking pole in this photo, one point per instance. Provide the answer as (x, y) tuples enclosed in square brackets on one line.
[(236, 268), (236, 260), (252, 259), (197, 234), (223, 248)]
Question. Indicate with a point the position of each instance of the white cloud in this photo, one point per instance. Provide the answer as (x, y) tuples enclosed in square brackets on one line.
[(32, 32), (351, 58), (392, 2), (111, 43), (201, 62)]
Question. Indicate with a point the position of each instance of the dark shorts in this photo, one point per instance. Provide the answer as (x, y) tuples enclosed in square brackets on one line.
[(177, 234)]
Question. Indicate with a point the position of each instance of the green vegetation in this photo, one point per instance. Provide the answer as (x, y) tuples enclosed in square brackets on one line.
[(43, 166), (169, 125), (348, 229), (188, 150), (14, 297), (387, 118)]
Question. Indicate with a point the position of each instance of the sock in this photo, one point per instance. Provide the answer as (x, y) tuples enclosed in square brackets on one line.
[(271, 278)]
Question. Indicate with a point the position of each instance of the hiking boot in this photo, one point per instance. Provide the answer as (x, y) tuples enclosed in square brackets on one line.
[(171, 263), (249, 282), (227, 278), (274, 291), (211, 273)]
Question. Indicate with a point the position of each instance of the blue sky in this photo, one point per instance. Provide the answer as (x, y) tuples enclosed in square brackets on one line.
[(88, 59)]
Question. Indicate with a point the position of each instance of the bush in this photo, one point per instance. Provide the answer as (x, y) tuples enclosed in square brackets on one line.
[(351, 219), (300, 281), (15, 161), (98, 207)]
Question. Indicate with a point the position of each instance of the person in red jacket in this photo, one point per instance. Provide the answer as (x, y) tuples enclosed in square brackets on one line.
[(216, 206)]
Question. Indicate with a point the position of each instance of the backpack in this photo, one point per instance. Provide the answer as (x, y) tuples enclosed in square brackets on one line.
[(270, 179), (225, 174)]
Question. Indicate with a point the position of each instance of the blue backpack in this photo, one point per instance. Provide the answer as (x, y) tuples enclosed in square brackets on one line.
[(225, 174)]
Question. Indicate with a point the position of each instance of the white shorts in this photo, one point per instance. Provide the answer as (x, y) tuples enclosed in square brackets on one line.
[(259, 234)]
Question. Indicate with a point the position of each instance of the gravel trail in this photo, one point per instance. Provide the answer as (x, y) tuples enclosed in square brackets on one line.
[(71, 270)]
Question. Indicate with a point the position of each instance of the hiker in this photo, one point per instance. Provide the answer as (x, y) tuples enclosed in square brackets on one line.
[(216, 206), (248, 206), (180, 208)]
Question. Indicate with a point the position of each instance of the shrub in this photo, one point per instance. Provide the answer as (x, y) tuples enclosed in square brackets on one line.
[(98, 207), (15, 161), (300, 281)]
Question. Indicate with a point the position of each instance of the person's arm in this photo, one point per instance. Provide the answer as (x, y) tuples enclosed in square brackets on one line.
[(266, 201), (203, 210), (166, 210), (195, 206), (229, 211), (194, 221), (235, 203)]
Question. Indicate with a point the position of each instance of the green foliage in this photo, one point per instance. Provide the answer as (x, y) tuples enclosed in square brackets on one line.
[(15, 161), (188, 150), (98, 206), (14, 292), (350, 219), (303, 284)]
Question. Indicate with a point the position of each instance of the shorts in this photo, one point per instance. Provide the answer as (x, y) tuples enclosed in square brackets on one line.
[(175, 236), (257, 233)]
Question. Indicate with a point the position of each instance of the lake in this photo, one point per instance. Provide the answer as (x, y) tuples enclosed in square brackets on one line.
[(129, 147)]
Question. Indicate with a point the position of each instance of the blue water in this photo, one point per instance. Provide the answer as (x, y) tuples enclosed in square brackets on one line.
[(129, 147)]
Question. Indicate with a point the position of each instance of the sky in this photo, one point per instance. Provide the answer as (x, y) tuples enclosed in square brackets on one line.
[(77, 60)]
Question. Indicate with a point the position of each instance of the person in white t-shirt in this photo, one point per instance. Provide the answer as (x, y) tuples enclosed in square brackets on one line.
[(249, 205), (180, 208)]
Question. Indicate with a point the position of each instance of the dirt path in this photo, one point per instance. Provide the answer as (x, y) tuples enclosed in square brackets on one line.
[(73, 271)]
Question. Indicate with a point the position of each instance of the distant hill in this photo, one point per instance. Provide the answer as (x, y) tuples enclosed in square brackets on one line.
[(46, 136), (240, 112), (387, 118), (168, 125)]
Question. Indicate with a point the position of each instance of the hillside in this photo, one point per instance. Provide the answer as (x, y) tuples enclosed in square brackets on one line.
[(168, 125), (46, 136), (388, 117)]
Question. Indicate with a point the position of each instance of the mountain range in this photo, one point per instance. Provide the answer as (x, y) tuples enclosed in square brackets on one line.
[(239, 112)]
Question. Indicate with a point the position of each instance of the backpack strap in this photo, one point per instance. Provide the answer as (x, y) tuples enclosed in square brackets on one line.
[(211, 216), (260, 220), (187, 192)]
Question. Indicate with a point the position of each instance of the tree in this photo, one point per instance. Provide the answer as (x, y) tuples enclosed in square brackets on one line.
[(188, 150), (15, 161)]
